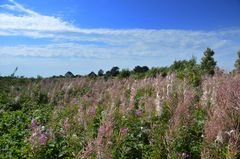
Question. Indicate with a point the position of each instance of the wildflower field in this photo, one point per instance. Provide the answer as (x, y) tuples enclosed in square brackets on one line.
[(153, 117)]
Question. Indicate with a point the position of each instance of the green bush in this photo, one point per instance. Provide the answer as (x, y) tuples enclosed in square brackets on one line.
[(13, 132)]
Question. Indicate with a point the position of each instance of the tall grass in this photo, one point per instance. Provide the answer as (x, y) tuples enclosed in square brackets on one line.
[(160, 117)]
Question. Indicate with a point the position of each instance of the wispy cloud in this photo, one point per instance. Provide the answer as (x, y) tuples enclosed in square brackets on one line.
[(19, 8), (68, 40)]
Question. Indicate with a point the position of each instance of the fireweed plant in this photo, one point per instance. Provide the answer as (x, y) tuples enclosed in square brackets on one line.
[(161, 116)]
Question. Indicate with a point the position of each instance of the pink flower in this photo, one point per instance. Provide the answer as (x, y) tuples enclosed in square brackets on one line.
[(66, 124), (102, 130), (80, 109), (92, 111), (88, 149), (139, 112), (123, 131), (34, 123), (42, 139)]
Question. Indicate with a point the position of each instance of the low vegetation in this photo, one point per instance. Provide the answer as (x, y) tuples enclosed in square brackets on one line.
[(185, 111)]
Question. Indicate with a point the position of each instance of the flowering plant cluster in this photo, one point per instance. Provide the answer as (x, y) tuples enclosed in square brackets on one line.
[(155, 117)]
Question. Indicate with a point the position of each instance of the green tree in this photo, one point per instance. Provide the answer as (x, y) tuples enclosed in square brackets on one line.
[(92, 75), (114, 71), (139, 69), (208, 64), (100, 72), (179, 65), (69, 74), (237, 63), (187, 70)]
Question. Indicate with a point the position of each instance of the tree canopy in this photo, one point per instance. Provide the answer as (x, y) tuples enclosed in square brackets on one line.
[(237, 63), (100, 72), (139, 69), (208, 64)]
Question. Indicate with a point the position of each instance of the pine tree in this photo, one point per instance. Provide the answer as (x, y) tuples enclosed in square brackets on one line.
[(237, 63), (208, 64)]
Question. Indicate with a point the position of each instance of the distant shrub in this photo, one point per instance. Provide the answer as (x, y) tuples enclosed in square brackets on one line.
[(139, 69), (92, 75), (188, 70), (125, 73), (114, 71), (100, 72), (69, 74), (153, 72)]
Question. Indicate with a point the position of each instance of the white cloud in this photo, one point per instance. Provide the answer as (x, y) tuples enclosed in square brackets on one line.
[(31, 21), (18, 7)]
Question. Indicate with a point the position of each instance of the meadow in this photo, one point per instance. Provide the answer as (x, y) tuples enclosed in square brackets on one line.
[(158, 117)]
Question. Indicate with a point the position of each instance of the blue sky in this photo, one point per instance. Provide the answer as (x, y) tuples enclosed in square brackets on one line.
[(52, 37)]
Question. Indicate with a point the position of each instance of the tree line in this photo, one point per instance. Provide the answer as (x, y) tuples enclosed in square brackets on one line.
[(207, 66), (184, 68)]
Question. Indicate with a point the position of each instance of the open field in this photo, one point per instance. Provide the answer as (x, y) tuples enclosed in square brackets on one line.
[(153, 117)]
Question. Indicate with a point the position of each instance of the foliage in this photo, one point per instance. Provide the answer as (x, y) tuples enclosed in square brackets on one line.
[(139, 69), (114, 71), (100, 72), (69, 74), (92, 75), (153, 72), (188, 70), (13, 133), (208, 64), (237, 63), (169, 112), (125, 73), (189, 138)]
